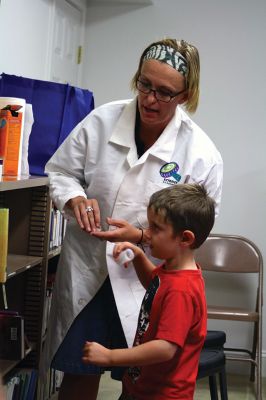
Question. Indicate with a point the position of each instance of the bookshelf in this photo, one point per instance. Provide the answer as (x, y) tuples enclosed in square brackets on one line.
[(28, 254)]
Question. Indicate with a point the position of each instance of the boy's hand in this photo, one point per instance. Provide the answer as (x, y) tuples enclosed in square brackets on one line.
[(95, 353), (119, 247), (123, 231)]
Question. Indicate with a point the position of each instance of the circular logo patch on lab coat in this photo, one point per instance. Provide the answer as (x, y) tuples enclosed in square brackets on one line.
[(169, 173)]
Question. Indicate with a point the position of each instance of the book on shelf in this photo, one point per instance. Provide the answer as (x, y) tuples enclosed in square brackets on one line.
[(12, 337), (32, 385), (22, 385), (57, 228), (4, 218), (11, 387), (46, 309), (12, 112)]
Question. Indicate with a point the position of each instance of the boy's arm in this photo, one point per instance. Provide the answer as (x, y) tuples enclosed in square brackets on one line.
[(153, 352), (142, 264)]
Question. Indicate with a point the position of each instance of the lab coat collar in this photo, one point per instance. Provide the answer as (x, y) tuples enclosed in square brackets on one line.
[(164, 146), (124, 131), (124, 135)]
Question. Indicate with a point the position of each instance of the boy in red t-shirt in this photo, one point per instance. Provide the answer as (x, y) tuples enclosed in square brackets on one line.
[(173, 317)]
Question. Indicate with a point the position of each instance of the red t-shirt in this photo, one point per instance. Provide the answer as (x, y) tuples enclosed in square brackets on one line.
[(173, 309)]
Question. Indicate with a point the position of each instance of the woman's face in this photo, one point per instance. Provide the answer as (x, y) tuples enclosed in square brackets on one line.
[(159, 76)]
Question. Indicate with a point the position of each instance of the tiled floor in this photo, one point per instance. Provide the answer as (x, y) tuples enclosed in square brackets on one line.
[(239, 388)]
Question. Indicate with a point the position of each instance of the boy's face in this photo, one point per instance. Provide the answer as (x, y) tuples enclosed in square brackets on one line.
[(163, 241)]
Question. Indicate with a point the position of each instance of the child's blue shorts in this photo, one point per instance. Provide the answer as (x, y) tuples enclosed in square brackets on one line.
[(98, 322)]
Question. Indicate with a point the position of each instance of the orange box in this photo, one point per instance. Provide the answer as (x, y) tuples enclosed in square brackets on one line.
[(11, 141), (3, 135)]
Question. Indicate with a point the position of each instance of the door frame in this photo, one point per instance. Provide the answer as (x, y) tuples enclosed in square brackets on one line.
[(81, 5)]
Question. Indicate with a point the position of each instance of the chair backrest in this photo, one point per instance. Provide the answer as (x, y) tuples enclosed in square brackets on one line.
[(229, 253)]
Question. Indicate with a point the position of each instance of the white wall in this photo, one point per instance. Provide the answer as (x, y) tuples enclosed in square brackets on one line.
[(230, 36), (24, 28)]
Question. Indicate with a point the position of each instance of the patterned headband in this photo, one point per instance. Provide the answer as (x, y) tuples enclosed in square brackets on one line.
[(169, 56)]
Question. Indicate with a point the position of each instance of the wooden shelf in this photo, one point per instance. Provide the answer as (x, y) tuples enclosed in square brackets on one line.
[(54, 252), (21, 182), (19, 263), (25, 290), (29, 206), (7, 365)]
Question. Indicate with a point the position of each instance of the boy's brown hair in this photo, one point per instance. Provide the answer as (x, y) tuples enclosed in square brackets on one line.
[(186, 207)]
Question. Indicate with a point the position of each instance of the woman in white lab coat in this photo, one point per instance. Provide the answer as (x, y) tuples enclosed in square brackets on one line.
[(102, 177)]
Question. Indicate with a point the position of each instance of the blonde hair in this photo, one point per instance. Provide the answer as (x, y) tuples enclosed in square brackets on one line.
[(192, 78)]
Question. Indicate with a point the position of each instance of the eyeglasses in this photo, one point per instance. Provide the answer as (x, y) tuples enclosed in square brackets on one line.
[(160, 95)]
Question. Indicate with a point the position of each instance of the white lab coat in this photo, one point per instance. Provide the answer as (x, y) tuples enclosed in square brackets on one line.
[(99, 160)]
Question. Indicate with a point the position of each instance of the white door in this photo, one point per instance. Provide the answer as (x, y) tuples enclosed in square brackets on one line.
[(66, 42)]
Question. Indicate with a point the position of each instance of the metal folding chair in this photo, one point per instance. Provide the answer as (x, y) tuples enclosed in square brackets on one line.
[(237, 255)]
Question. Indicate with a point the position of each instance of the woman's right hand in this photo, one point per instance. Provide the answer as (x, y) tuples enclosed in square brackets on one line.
[(86, 212)]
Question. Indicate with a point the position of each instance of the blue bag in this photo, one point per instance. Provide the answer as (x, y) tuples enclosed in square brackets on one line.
[(57, 109)]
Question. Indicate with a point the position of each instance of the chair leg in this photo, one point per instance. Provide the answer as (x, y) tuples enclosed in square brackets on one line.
[(213, 387), (259, 389), (254, 351), (259, 365), (223, 385)]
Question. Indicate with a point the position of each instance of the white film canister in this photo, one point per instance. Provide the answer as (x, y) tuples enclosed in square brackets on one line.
[(125, 256)]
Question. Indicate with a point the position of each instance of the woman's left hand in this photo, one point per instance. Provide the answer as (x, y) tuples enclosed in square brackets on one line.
[(123, 232)]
